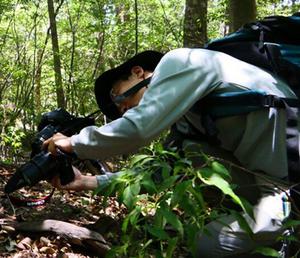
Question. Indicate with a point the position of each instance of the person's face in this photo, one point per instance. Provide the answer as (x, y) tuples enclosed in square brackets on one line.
[(121, 86)]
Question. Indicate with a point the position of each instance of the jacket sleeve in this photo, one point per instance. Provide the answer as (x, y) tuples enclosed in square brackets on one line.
[(180, 79)]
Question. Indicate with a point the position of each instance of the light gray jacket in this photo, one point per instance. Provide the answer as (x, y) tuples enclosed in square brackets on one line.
[(182, 77)]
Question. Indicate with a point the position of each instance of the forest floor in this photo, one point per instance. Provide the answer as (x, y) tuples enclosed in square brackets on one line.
[(79, 209)]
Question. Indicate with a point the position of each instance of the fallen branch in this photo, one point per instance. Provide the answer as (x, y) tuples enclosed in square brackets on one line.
[(75, 234)]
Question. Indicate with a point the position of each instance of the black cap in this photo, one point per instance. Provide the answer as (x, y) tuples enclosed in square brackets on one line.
[(148, 60)]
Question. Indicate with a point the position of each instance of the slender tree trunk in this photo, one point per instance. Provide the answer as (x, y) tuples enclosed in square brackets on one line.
[(37, 79), (56, 57), (195, 23), (241, 12)]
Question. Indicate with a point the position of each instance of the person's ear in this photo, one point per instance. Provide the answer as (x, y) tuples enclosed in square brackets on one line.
[(138, 71)]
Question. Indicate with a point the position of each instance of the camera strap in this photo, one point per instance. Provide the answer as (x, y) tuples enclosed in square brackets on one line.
[(30, 202)]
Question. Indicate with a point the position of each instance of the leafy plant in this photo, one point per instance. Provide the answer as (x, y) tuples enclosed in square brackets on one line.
[(11, 142), (166, 201)]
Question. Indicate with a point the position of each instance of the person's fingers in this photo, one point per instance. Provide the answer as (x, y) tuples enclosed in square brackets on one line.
[(52, 148), (50, 144), (46, 143)]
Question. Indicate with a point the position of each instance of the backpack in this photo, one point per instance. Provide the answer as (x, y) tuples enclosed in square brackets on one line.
[(274, 45)]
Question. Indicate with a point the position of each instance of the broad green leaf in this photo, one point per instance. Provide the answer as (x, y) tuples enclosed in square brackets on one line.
[(166, 183), (165, 170), (267, 251), (248, 207), (188, 206), (198, 196), (179, 193), (291, 223), (130, 193), (125, 224), (134, 215), (140, 159), (209, 177), (149, 185), (159, 220), (132, 218), (172, 219), (171, 247), (157, 232), (220, 169)]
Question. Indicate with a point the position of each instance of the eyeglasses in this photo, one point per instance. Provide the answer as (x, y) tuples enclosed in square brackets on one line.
[(118, 99)]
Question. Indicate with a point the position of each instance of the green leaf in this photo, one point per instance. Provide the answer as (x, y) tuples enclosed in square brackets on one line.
[(157, 232), (220, 169), (140, 160), (188, 206), (132, 217), (172, 219), (149, 185), (291, 223), (125, 224), (209, 177), (167, 183), (179, 193), (171, 247), (198, 196), (248, 207), (267, 251), (130, 193), (165, 170)]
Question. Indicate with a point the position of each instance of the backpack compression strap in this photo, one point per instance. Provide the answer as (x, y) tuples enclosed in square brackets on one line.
[(238, 103), (229, 104)]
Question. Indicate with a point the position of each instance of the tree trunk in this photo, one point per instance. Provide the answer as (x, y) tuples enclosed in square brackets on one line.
[(195, 23), (56, 57), (241, 12), (37, 79)]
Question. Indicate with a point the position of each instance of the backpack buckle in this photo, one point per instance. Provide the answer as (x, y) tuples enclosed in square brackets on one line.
[(272, 101), (268, 101)]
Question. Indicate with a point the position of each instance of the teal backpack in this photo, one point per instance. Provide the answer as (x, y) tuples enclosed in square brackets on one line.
[(274, 45)]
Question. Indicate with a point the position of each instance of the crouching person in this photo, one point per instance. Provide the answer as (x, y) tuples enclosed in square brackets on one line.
[(152, 92)]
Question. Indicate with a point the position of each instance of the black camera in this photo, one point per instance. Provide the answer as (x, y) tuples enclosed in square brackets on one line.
[(43, 165)]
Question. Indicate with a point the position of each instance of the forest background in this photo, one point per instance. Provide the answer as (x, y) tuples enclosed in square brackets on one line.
[(41, 71), (52, 52)]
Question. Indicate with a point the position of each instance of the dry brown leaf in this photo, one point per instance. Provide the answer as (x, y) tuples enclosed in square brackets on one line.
[(8, 229), (25, 244), (47, 250), (45, 241)]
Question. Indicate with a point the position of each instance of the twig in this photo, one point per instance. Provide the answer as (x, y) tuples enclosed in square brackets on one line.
[(11, 205)]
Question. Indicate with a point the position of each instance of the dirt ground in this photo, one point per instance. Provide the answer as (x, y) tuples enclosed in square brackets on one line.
[(81, 209)]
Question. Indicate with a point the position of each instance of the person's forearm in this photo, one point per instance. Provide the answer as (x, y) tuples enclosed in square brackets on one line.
[(89, 183), (117, 137)]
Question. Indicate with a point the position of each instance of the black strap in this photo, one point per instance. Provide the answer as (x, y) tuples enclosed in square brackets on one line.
[(131, 91), (250, 99)]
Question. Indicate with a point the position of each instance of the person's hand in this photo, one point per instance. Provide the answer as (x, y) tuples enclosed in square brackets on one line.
[(80, 182), (59, 141)]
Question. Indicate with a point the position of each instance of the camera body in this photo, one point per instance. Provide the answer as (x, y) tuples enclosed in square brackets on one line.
[(43, 165)]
